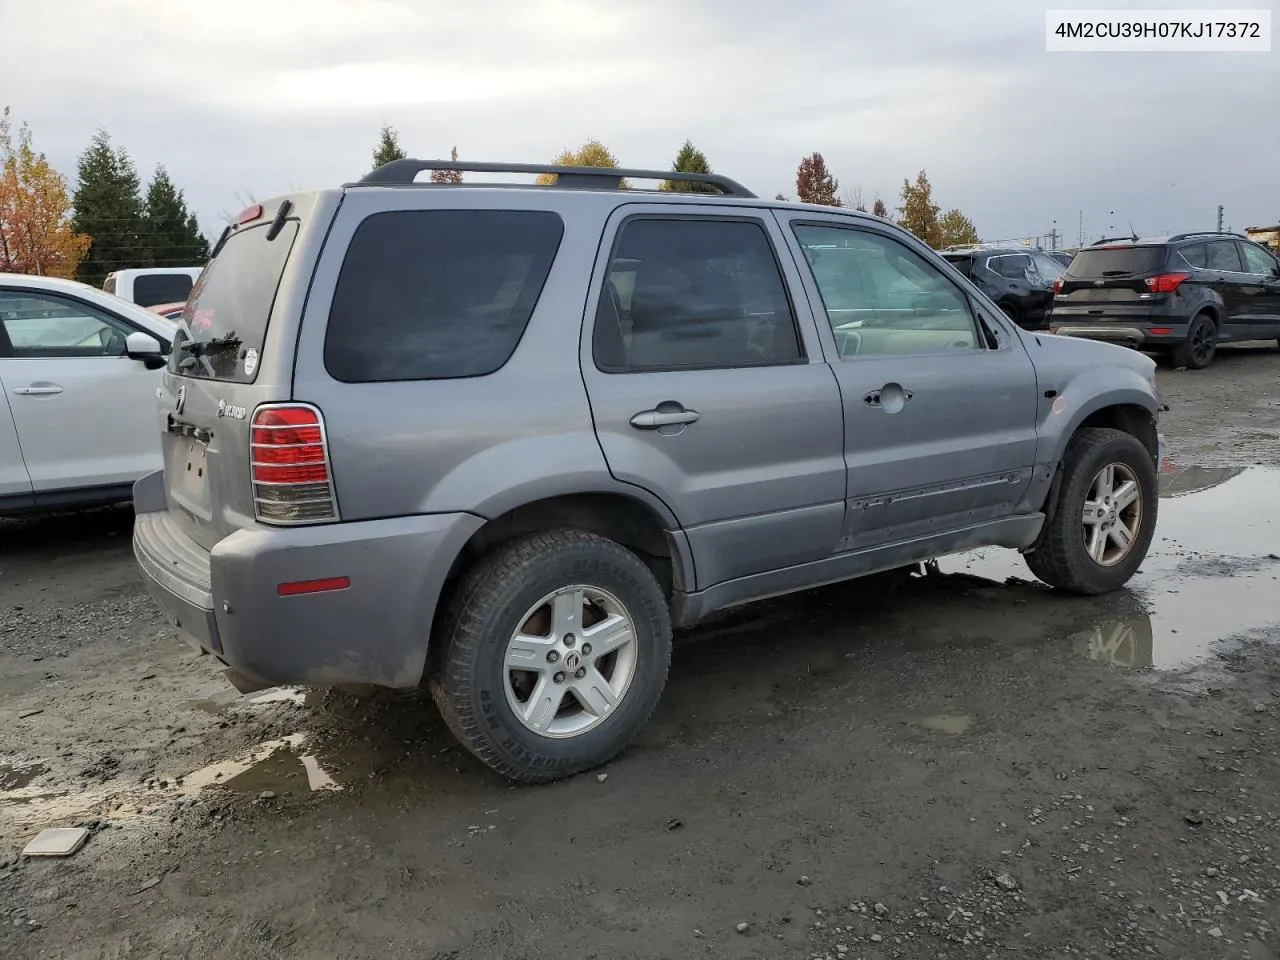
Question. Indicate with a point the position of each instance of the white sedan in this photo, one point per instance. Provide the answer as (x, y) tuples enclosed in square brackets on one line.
[(79, 370)]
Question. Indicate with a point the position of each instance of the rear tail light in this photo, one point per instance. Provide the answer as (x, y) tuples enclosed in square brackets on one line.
[(1057, 286), (1166, 282), (292, 481)]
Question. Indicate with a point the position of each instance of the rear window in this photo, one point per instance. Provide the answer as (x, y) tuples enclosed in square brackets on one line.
[(963, 263), (231, 302), (437, 294), (1115, 262), (151, 289)]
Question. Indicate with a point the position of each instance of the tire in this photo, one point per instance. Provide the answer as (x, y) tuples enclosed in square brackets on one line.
[(1062, 556), (507, 593), (1201, 344)]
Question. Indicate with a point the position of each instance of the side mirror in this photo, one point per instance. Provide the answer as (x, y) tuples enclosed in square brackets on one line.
[(145, 348)]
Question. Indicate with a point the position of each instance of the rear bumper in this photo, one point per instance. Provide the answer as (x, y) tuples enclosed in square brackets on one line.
[(226, 601), (1124, 332)]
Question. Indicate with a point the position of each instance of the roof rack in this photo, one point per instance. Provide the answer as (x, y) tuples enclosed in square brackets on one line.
[(1206, 233), (584, 178)]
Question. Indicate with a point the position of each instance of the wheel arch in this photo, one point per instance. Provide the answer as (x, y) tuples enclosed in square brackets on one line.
[(639, 522)]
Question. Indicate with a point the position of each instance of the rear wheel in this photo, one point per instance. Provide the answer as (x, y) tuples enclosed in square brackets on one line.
[(554, 653), (1201, 344), (1105, 515)]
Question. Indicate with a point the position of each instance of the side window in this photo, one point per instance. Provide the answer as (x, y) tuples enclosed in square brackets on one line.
[(1224, 255), (881, 297), (1048, 268), (1257, 260), (693, 293), (1015, 266), (437, 294), (1195, 255), (150, 289), (42, 326)]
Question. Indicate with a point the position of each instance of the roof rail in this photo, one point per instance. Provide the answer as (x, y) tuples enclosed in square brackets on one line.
[(1206, 233), (1128, 239), (587, 178)]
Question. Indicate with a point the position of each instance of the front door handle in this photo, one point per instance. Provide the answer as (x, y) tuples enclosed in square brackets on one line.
[(38, 390), (653, 419), (891, 397)]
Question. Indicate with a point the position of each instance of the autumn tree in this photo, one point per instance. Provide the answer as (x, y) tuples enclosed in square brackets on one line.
[(879, 209), (36, 234), (448, 176), (109, 209), (170, 231), (593, 153), (919, 214), (780, 197), (689, 160), (388, 148), (814, 183), (955, 228)]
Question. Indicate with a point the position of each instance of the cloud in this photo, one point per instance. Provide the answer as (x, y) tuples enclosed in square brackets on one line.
[(265, 96)]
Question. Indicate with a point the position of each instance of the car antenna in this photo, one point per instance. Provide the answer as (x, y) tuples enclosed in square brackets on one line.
[(1132, 232)]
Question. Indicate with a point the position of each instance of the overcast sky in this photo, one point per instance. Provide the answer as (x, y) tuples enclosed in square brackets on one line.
[(264, 96)]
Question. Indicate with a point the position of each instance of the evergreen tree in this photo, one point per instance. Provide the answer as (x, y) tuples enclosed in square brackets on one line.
[(689, 160), (919, 212), (172, 234), (388, 148), (108, 209), (956, 228), (879, 209)]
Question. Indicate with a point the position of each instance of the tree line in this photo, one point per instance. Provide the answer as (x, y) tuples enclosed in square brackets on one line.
[(917, 212), (108, 221)]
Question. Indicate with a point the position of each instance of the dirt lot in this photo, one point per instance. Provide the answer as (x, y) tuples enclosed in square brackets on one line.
[(952, 765)]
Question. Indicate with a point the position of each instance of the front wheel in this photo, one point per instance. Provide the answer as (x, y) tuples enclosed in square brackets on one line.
[(554, 653), (1105, 516)]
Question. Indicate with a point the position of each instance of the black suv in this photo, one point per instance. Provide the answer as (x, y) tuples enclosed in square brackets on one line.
[(1179, 295), (1020, 281)]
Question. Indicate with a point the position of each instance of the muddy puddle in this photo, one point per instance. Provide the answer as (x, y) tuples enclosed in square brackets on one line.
[(1212, 575)]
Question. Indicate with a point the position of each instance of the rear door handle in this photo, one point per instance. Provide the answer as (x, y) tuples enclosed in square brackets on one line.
[(38, 390), (653, 419)]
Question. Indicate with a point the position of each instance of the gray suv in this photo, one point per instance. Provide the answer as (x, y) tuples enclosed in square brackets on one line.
[(502, 438)]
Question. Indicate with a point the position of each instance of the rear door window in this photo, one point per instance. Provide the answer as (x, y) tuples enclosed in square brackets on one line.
[(1015, 266), (152, 289), (1097, 263), (225, 321), (1224, 255), (437, 294)]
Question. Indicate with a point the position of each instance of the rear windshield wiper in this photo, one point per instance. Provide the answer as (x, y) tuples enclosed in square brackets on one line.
[(205, 348)]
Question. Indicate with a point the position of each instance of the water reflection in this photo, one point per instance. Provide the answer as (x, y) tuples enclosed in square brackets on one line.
[(1211, 575)]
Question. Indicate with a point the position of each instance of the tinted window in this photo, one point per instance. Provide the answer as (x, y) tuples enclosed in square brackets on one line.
[(1257, 260), (962, 263), (40, 326), (150, 289), (1224, 255), (881, 297), (437, 294), (1094, 263), (1194, 255), (693, 293), (231, 301), (1015, 266)]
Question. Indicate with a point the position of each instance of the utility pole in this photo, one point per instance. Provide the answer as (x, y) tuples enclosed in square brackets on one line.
[(1054, 234), (1219, 218), (1080, 239)]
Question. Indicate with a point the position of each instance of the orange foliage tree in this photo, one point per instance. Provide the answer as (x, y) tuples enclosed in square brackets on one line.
[(36, 235)]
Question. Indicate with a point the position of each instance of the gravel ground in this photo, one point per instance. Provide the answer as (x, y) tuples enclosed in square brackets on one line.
[(961, 764)]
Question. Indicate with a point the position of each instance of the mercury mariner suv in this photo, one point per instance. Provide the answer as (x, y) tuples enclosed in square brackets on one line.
[(502, 438)]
